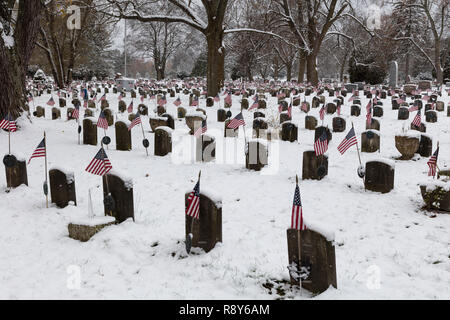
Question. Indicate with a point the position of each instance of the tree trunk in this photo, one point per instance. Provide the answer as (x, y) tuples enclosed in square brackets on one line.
[(301, 67), (311, 70), (288, 72), (437, 62), (215, 73), (14, 58), (342, 67), (406, 67)]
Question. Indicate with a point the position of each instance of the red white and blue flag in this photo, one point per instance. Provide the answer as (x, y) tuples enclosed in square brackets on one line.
[(40, 151), (321, 144), (51, 102), (8, 123), (193, 207), (417, 121), (236, 122), (297, 211), (102, 122), (100, 165), (136, 121), (177, 102), (349, 140), (432, 163), (201, 130)]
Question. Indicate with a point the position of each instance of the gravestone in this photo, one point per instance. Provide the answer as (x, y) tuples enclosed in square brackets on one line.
[(256, 154), (310, 122), (440, 106), (70, 113), (320, 130), (258, 114), (88, 113), (181, 112), (90, 131), (425, 145), (244, 104), (403, 113), (331, 108), (393, 74), (56, 113), (143, 109), (355, 110), (39, 112), (104, 104), (370, 141), (123, 136), (284, 116), (260, 127), (407, 145), (377, 111), (170, 120), (431, 116), (122, 106), (374, 124), (62, 187), (317, 259), (221, 115), (85, 229), (289, 131), (156, 122), (163, 141), (205, 148), (15, 172), (339, 124), (207, 230), (379, 176), (262, 104), (192, 119), (62, 102), (121, 191), (314, 167), (421, 128)]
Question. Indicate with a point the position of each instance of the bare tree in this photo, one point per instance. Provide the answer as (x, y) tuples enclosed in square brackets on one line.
[(19, 23)]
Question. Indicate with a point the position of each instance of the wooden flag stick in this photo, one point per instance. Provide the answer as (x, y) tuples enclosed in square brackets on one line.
[(299, 251), (143, 135), (359, 156), (46, 182)]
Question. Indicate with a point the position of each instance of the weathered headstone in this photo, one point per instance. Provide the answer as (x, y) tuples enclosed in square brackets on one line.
[(123, 136), (163, 141), (431, 116), (15, 171), (379, 175), (256, 154), (317, 260), (289, 131), (407, 145), (310, 122), (355, 110), (90, 131), (121, 191), (62, 187), (425, 145), (314, 167), (339, 124), (370, 141), (207, 230), (393, 74)]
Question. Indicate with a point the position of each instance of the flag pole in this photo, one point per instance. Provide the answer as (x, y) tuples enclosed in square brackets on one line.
[(46, 183), (192, 218), (299, 252), (359, 156), (143, 134)]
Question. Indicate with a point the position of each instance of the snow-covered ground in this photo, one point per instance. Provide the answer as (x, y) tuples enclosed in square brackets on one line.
[(378, 236)]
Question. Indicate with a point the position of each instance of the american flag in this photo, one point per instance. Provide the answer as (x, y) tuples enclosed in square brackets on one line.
[(417, 119), (39, 152), (322, 112), (8, 123), (136, 121), (193, 208), (254, 105), (227, 99), (177, 102), (103, 97), (162, 101), (101, 122), (142, 98), (369, 113), (30, 97), (236, 122), (415, 107), (349, 140), (76, 112), (321, 144), (289, 111), (297, 211), (85, 104), (120, 96), (426, 97), (280, 95), (130, 107), (399, 100), (351, 98), (432, 163), (338, 109), (201, 130), (217, 98), (51, 102), (100, 165)]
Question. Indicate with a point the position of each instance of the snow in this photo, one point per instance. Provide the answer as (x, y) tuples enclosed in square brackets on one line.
[(69, 174), (146, 259), (95, 221)]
